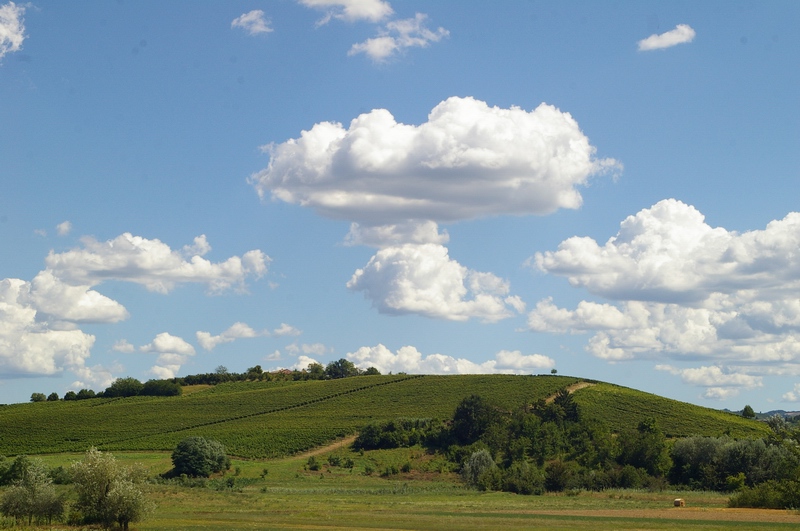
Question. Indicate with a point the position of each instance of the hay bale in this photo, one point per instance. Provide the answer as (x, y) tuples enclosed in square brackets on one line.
[(679, 502)]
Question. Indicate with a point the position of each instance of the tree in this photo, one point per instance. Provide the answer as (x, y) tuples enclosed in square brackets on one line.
[(38, 397), (340, 369), (197, 456), (472, 418), (32, 495), (748, 412), (70, 395), (316, 371), (161, 388), (85, 394), (123, 387), (108, 492), (221, 370), (372, 371), (52, 397)]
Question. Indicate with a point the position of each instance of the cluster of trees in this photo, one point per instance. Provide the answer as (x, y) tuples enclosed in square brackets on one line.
[(341, 368), (106, 493), (551, 447), (121, 387)]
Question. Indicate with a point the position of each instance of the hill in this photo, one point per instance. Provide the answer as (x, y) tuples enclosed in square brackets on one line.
[(271, 419)]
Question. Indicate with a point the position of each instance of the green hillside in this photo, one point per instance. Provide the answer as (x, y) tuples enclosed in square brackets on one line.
[(270, 419)]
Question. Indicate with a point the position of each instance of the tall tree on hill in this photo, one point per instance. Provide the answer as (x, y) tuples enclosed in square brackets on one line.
[(340, 369)]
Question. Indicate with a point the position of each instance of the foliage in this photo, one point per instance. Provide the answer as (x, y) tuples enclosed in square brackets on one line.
[(477, 465), (123, 387), (161, 388), (107, 492), (748, 412), (32, 495), (38, 397), (341, 368), (197, 456), (52, 397)]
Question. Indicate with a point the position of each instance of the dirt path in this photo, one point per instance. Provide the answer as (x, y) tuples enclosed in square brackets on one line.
[(570, 389), (336, 445)]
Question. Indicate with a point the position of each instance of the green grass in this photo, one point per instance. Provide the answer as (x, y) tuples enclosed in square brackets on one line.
[(274, 419), (291, 497), (623, 408)]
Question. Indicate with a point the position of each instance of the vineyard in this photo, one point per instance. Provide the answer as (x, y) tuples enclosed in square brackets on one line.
[(622, 408), (272, 419)]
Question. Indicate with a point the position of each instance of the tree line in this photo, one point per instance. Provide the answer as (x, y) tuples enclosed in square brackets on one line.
[(551, 446)]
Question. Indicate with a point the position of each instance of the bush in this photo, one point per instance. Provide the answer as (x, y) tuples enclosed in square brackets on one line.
[(478, 463), (197, 456)]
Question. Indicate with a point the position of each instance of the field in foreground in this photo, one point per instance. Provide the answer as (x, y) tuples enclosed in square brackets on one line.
[(291, 497)]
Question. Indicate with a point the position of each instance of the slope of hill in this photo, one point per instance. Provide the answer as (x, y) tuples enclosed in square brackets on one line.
[(270, 419)]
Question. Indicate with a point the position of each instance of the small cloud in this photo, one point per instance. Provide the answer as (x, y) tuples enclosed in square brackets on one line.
[(40, 232), (681, 34), (64, 228), (318, 349), (12, 28), (253, 22), (236, 331), (793, 395), (398, 35), (274, 356), (172, 352), (123, 346), (351, 10), (286, 330)]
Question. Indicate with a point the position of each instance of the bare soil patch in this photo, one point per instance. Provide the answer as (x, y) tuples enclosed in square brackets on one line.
[(570, 389), (337, 445)]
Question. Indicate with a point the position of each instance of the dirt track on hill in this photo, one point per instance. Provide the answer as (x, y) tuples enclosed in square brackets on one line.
[(341, 443), (570, 389)]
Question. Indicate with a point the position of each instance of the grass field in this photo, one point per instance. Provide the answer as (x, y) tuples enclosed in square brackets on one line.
[(275, 419), (334, 498)]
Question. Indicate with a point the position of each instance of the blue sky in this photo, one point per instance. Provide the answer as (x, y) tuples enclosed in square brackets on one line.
[(607, 189)]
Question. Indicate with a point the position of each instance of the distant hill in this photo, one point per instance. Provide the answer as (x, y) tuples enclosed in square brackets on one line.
[(271, 419)]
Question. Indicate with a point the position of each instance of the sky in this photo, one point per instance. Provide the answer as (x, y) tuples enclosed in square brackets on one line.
[(607, 189)]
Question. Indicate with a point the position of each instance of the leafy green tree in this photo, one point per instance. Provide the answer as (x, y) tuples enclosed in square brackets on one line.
[(372, 371), (32, 496), (476, 465), (70, 395), (85, 394), (161, 388), (748, 412), (123, 387), (471, 419), (341, 368), (197, 456), (316, 371), (38, 397), (52, 397), (107, 492)]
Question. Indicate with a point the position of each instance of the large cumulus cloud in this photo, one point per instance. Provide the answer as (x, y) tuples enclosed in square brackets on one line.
[(408, 359), (684, 291), (468, 160), (423, 279)]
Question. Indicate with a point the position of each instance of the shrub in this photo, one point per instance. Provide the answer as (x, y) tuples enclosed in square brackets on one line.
[(197, 456)]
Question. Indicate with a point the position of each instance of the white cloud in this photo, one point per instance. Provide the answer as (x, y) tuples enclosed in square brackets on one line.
[(713, 376), (397, 36), (423, 279), (318, 349), (409, 359), (467, 161), (97, 377), (78, 304), (351, 10), (273, 356), (681, 34), (123, 345), (253, 22), (153, 264), (12, 28), (720, 393), (667, 253), (396, 234), (286, 330), (64, 228), (685, 290), (793, 395), (303, 362), (31, 347), (173, 352), (236, 331)]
